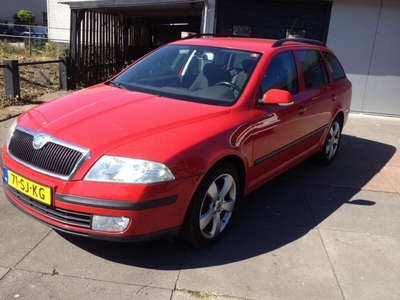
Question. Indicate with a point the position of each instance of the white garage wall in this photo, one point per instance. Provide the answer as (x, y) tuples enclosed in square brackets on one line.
[(59, 21), (382, 94), (363, 35)]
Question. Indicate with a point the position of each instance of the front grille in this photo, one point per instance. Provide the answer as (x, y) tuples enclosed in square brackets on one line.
[(63, 216), (54, 158)]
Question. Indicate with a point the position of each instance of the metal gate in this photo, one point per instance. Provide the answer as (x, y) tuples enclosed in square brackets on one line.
[(98, 46), (104, 42)]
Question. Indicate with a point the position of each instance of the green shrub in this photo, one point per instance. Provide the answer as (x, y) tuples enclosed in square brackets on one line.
[(24, 17)]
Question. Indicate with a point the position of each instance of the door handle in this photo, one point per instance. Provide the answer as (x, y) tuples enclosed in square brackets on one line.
[(302, 109), (333, 97)]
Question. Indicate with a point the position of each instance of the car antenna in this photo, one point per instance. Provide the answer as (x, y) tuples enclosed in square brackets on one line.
[(291, 28)]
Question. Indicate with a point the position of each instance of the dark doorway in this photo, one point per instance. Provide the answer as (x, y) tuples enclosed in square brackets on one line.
[(107, 38), (152, 32)]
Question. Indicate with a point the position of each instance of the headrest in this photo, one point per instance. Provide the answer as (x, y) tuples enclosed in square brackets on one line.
[(211, 69), (247, 64)]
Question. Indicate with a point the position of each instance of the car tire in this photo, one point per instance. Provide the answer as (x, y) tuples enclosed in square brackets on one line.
[(332, 142), (212, 206)]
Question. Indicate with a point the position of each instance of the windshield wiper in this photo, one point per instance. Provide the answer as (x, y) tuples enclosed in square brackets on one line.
[(117, 84)]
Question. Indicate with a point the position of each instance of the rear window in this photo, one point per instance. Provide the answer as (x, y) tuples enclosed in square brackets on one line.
[(313, 68), (334, 67)]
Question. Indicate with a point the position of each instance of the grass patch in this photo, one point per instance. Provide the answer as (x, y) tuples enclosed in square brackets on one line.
[(201, 295), (37, 51)]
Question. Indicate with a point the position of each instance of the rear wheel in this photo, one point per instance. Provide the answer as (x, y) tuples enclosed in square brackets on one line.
[(332, 142), (212, 205)]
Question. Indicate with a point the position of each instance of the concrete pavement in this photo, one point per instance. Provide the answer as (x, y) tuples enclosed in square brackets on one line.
[(316, 232)]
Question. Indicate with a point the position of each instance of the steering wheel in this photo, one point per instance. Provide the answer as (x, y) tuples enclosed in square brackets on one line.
[(229, 84)]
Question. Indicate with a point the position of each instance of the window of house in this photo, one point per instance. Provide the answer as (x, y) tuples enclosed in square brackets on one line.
[(44, 17)]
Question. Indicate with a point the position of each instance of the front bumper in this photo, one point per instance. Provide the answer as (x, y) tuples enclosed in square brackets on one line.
[(78, 223), (155, 211), (72, 222)]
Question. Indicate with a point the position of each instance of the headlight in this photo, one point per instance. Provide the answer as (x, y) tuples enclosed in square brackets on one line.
[(11, 132), (128, 170)]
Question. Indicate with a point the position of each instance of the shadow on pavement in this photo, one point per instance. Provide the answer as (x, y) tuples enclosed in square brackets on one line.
[(277, 214)]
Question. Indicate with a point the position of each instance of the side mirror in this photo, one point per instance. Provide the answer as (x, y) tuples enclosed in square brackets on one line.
[(275, 96)]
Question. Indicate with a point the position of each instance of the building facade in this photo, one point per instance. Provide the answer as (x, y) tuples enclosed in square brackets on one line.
[(37, 7), (363, 34)]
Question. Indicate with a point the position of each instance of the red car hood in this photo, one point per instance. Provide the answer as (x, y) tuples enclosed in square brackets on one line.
[(109, 117)]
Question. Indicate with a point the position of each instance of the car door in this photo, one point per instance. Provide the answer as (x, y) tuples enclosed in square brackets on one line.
[(278, 131), (318, 91)]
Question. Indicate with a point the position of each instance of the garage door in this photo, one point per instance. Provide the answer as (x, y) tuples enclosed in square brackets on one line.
[(274, 19)]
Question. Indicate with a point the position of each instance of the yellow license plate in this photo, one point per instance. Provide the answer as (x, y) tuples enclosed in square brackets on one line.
[(32, 189)]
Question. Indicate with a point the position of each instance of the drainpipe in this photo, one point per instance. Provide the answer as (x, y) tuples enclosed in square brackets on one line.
[(208, 16)]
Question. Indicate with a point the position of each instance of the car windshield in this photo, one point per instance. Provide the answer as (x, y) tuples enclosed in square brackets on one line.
[(193, 73)]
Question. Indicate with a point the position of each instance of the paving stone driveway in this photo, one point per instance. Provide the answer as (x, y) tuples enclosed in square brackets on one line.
[(313, 233)]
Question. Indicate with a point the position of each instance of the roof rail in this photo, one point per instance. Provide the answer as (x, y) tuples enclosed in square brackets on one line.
[(298, 40), (197, 35)]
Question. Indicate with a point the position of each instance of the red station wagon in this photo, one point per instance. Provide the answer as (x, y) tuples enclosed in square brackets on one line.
[(171, 144)]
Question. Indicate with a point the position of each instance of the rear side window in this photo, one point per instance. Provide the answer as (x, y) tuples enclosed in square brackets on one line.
[(313, 68), (335, 67), (281, 74)]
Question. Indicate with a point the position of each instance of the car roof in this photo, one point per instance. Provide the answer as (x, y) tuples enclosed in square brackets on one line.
[(250, 44)]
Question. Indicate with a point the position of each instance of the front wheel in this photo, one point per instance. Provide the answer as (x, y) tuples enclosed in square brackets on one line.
[(212, 205), (332, 142)]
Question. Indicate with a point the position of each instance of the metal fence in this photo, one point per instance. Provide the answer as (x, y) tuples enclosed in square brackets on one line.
[(12, 78), (100, 43)]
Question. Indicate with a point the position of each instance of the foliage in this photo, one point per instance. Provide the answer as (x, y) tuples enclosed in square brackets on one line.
[(201, 295), (24, 17), (45, 51)]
